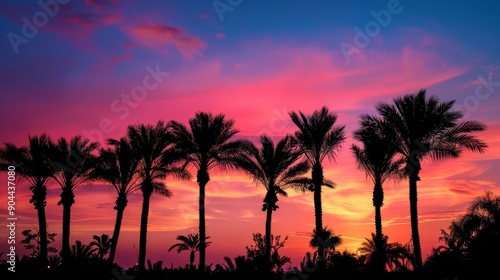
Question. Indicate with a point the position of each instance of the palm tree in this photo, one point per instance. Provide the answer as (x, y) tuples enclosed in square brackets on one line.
[(378, 251), (208, 144), (33, 164), (102, 243), (476, 232), (276, 169), (81, 252), (377, 158), (189, 243), (73, 162), (118, 166), (328, 240), (153, 146), (425, 127), (318, 137)]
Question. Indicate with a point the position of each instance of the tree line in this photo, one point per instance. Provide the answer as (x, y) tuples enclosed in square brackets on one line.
[(391, 144)]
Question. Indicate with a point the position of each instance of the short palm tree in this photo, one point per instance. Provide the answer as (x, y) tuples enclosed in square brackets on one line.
[(476, 232), (153, 146), (276, 168), (373, 249), (102, 243), (208, 144), (81, 252), (425, 127), (190, 243), (377, 158), (73, 162), (317, 138), (33, 164), (118, 166), (327, 239)]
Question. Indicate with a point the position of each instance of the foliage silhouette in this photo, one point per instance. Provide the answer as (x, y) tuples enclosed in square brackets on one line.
[(190, 243), (276, 168), (468, 240), (208, 144), (33, 164), (318, 137), (377, 158), (73, 161), (118, 166), (426, 127), (157, 158)]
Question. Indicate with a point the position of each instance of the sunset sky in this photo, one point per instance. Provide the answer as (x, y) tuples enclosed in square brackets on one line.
[(93, 67)]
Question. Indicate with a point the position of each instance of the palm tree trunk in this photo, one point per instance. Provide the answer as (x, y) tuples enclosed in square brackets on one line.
[(65, 233), (268, 235), (39, 200), (191, 260), (121, 203), (143, 232), (414, 220), (379, 255), (317, 178), (67, 200), (378, 201), (203, 179)]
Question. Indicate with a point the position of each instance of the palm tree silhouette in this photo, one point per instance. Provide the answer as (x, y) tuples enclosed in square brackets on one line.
[(425, 127), (208, 144), (189, 243), (81, 252), (327, 239), (153, 146), (376, 157), (474, 233), (33, 164), (372, 248), (118, 166), (318, 137), (102, 243), (73, 162), (276, 169)]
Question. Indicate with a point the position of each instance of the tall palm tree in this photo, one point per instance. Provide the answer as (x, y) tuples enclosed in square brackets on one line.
[(277, 169), (208, 145), (73, 162), (377, 158), (118, 166), (318, 137), (190, 243), (33, 164), (424, 128), (153, 146)]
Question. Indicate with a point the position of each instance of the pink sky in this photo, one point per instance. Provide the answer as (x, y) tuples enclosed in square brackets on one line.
[(75, 72)]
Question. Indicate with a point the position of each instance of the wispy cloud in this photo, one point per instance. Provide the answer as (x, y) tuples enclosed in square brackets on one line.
[(160, 36)]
